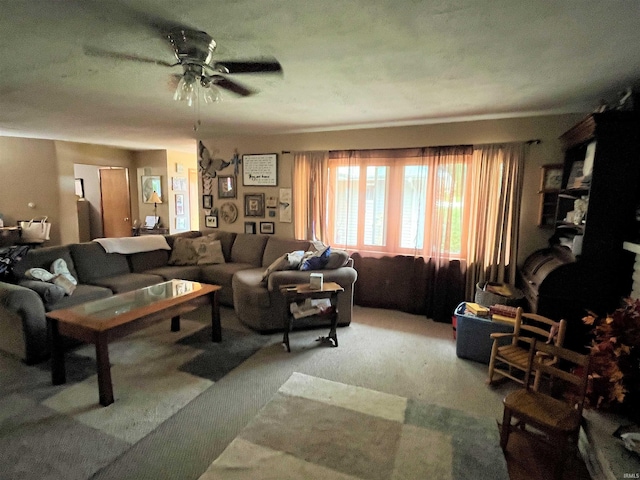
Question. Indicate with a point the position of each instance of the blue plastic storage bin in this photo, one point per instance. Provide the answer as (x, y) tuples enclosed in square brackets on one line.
[(473, 341)]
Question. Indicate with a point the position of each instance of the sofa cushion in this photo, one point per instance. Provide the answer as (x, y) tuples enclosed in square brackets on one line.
[(317, 260), (43, 258), (182, 272), (143, 261), (172, 238), (128, 281), (83, 293), (49, 293), (337, 258), (226, 240), (209, 251), (183, 252), (278, 246), (222, 273), (251, 288), (93, 263), (248, 248)]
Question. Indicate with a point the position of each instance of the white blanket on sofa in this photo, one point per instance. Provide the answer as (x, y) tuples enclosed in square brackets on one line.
[(126, 245)]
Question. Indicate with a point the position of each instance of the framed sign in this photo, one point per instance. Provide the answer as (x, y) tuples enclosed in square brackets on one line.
[(260, 170)]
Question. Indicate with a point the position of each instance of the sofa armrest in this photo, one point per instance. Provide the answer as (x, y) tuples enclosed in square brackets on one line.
[(343, 276), (23, 321)]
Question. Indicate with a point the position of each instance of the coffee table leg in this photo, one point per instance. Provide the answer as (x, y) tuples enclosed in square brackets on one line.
[(216, 328), (58, 374), (287, 326), (175, 323), (105, 387)]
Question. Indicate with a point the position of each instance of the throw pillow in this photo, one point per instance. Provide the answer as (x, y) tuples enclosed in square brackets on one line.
[(278, 264), (49, 292), (337, 259), (183, 252), (66, 284), (209, 251), (317, 260)]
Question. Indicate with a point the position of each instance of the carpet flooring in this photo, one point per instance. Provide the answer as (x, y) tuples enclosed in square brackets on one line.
[(318, 429), (44, 437)]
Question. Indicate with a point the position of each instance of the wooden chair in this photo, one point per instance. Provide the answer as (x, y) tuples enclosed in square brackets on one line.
[(505, 358), (556, 419)]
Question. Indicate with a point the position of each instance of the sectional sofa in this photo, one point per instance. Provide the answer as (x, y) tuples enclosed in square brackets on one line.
[(254, 297)]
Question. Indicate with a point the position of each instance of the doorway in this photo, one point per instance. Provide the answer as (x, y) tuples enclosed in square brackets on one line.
[(115, 201)]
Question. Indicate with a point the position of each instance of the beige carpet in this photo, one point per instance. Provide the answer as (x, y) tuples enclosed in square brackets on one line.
[(318, 429)]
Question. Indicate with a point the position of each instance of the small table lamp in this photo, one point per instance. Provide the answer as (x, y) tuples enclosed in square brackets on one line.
[(156, 200)]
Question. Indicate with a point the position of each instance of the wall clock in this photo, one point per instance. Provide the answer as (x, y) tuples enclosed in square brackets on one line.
[(228, 212)]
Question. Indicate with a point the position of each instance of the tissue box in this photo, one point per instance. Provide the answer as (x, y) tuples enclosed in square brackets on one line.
[(315, 281)]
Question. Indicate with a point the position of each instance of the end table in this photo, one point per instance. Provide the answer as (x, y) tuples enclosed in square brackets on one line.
[(302, 291)]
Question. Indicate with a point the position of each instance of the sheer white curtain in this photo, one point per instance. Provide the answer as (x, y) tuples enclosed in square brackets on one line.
[(496, 196), (310, 195)]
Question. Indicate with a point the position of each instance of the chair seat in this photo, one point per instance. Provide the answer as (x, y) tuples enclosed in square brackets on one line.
[(514, 354), (543, 410)]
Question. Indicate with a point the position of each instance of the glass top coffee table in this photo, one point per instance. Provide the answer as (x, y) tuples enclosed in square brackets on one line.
[(107, 319)]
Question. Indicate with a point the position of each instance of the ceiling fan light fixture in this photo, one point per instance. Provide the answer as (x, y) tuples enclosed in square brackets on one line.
[(211, 94)]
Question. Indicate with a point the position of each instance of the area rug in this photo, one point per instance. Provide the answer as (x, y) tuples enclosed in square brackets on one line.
[(62, 432), (318, 429)]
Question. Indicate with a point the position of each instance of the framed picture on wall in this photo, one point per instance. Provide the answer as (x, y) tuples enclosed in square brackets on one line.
[(249, 227), (150, 184), (267, 227), (211, 221), (260, 170), (227, 186), (207, 202), (179, 204), (254, 205)]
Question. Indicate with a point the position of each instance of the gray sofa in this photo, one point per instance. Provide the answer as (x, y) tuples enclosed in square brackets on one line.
[(257, 303)]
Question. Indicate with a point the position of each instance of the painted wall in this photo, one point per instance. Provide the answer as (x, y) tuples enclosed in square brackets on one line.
[(178, 165), (545, 128)]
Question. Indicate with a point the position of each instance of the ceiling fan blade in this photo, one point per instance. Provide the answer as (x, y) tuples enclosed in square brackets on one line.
[(233, 86), (98, 52), (257, 66)]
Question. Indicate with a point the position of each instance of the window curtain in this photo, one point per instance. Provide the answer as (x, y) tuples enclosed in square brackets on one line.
[(310, 195), (497, 173)]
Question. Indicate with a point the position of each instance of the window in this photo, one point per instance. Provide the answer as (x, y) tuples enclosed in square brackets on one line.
[(398, 202)]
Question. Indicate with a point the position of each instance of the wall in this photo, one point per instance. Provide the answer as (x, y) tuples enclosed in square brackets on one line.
[(28, 173), (152, 162), (42, 172), (178, 165), (545, 128)]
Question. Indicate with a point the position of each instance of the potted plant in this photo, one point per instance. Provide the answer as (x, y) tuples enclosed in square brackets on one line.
[(615, 359)]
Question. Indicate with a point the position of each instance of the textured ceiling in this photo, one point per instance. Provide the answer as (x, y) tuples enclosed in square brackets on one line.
[(347, 64)]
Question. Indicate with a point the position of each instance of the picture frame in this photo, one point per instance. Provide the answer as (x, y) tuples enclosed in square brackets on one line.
[(267, 227), (181, 223), (226, 186), (551, 177), (179, 204), (249, 227), (207, 202), (211, 221), (150, 184), (260, 170), (254, 205), (179, 184)]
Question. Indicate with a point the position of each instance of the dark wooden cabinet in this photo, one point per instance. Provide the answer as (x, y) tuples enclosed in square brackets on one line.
[(585, 266)]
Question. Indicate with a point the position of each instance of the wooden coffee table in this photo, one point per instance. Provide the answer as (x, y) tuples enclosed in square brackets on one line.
[(104, 320)]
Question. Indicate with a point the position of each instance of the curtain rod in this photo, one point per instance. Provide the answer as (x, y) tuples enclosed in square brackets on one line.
[(534, 141)]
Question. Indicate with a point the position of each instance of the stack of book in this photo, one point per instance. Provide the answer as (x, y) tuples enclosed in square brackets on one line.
[(476, 309), (502, 313)]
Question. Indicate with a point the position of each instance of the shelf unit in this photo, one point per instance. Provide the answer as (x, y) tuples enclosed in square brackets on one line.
[(550, 182)]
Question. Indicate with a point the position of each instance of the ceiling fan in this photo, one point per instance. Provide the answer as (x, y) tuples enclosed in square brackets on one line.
[(194, 52)]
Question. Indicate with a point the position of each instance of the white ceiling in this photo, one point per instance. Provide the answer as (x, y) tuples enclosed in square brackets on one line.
[(347, 64)]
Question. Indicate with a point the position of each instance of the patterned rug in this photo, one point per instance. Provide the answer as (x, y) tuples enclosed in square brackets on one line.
[(155, 374), (318, 429)]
